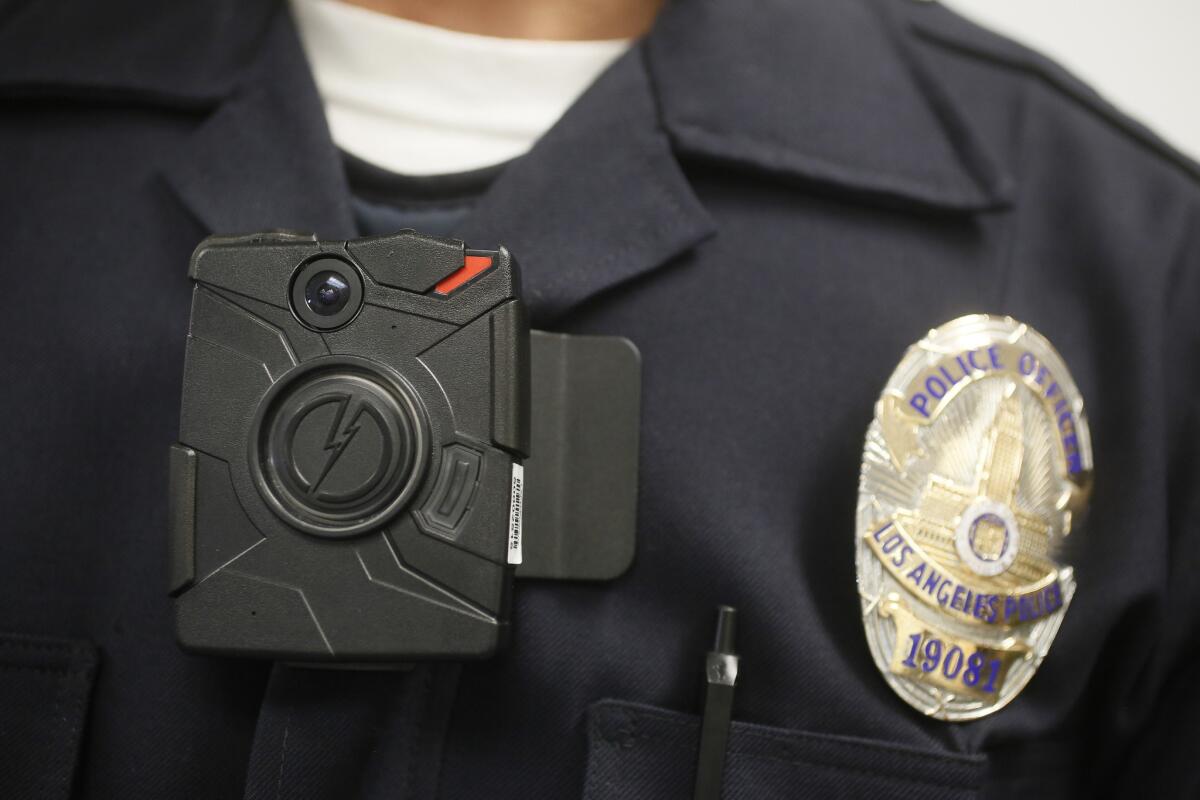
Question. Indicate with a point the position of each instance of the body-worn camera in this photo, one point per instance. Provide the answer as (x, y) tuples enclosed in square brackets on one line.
[(349, 483)]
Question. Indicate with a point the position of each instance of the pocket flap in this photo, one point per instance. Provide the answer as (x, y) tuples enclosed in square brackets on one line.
[(638, 751), (45, 685)]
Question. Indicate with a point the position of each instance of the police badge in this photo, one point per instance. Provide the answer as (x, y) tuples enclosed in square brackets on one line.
[(976, 465)]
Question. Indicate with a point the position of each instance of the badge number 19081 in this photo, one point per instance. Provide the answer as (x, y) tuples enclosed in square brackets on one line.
[(976, 466)]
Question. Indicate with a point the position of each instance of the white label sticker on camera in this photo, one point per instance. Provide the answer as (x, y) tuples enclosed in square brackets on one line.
[(514, 514)]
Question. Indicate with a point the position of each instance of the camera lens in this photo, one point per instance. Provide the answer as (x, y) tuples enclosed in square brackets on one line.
[(327, 293)]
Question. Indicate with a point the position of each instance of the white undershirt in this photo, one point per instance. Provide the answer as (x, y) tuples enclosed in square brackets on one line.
[(421, 100)]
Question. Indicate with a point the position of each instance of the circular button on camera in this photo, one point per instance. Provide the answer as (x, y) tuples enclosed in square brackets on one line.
[(326, 293), (338, 448)]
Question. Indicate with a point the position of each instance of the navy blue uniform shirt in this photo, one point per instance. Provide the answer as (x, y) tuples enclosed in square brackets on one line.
[(773, 199)]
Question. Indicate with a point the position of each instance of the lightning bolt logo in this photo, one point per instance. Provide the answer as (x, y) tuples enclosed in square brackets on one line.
[(339, 438)]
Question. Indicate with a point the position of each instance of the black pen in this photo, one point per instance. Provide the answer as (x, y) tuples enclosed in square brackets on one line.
[(720, 675)]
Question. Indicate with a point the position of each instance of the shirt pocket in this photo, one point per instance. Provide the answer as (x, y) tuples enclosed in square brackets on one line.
[(637, 751), (45, 686)]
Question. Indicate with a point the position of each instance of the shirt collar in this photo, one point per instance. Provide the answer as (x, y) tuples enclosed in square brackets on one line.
[(832, 93)]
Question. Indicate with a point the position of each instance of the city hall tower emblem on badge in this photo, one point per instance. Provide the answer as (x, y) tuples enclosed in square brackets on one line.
[(975, 467)]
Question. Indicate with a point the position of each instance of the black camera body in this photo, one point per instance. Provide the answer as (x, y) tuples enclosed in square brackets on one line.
[(348, 484)]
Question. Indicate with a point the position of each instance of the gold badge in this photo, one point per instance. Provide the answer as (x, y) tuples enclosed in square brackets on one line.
[(976, 465)]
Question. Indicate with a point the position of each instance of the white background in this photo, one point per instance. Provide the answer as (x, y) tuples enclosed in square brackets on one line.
[(1142, 55)]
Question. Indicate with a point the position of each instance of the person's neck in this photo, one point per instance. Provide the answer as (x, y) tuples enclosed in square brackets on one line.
[(528, 19)]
